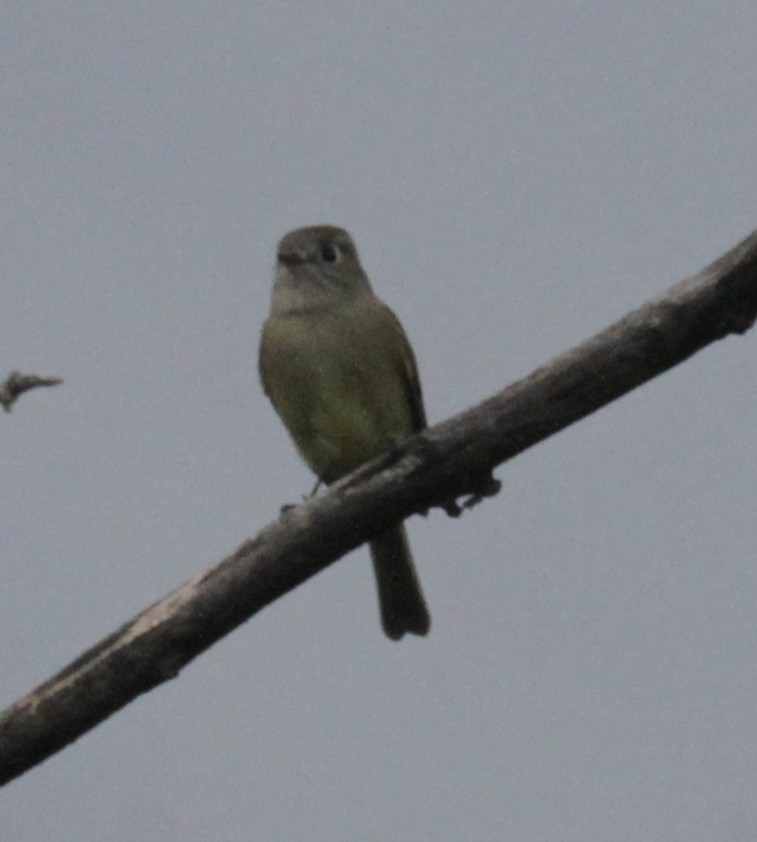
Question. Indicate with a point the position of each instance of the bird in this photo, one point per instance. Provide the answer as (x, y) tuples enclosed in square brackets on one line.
[(341, 374)]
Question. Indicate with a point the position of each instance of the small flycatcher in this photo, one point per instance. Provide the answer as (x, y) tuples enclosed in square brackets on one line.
[(341, 374)]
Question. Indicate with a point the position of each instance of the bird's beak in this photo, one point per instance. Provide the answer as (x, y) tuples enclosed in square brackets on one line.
[(291, 258)]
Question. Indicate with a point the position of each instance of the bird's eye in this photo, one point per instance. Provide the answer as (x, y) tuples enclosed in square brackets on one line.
[(329, 254)]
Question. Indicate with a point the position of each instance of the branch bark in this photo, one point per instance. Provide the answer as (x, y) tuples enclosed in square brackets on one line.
[(16, 384), (446, 461)]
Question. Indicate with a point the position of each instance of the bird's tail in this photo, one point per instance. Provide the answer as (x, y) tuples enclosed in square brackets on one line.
[(403, 608)]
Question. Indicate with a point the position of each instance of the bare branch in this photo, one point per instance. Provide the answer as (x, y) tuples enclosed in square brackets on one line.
[(18, 383), (446, 461)]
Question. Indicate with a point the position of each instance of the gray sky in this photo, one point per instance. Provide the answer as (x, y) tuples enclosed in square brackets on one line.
[(516, 177)]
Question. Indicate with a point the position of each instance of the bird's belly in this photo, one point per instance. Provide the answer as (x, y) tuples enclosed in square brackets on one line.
[(342, 434)]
